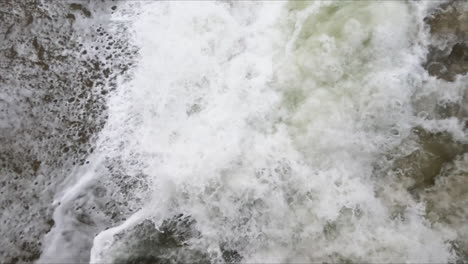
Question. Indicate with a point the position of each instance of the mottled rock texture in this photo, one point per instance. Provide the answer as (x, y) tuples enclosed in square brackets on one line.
[(448, 56), (56, 68)]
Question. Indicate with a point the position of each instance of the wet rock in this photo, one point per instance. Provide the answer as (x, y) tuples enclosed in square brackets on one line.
[(447, 203), (80, 7), (447, 110), (448, 56), (431, 169), (167, 244), (425, 163), (49, 112), (230, 255), (449, 19), (447, 64)]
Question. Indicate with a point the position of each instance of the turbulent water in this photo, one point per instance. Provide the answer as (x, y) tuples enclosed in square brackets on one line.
[(254, 132)]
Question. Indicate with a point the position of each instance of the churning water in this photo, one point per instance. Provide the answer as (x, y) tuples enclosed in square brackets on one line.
[(267, 132)]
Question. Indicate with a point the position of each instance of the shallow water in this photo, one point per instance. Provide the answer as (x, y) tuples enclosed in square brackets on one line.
[(272, 132)]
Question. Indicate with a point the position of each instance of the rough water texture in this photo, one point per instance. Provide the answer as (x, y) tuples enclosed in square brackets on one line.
[(245, 132)]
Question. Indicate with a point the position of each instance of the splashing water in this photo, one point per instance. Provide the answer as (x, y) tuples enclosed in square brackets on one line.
[(267, 132)]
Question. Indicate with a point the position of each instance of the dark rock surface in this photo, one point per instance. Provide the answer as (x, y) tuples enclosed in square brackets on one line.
[(426, 162), (436, 172), (56, 67), (448, 57), (167, 244)]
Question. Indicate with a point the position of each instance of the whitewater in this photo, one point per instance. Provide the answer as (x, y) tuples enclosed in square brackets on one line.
[(272, 132)]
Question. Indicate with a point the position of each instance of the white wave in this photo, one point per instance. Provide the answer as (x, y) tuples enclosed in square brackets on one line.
[(264, 121)]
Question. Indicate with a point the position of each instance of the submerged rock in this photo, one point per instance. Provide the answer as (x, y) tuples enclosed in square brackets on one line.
[(447, 203), (172, 242), (431, 153), (145, 243), (448, 56)]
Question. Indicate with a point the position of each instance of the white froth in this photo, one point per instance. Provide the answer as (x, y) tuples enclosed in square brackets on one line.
[(264, 121)]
